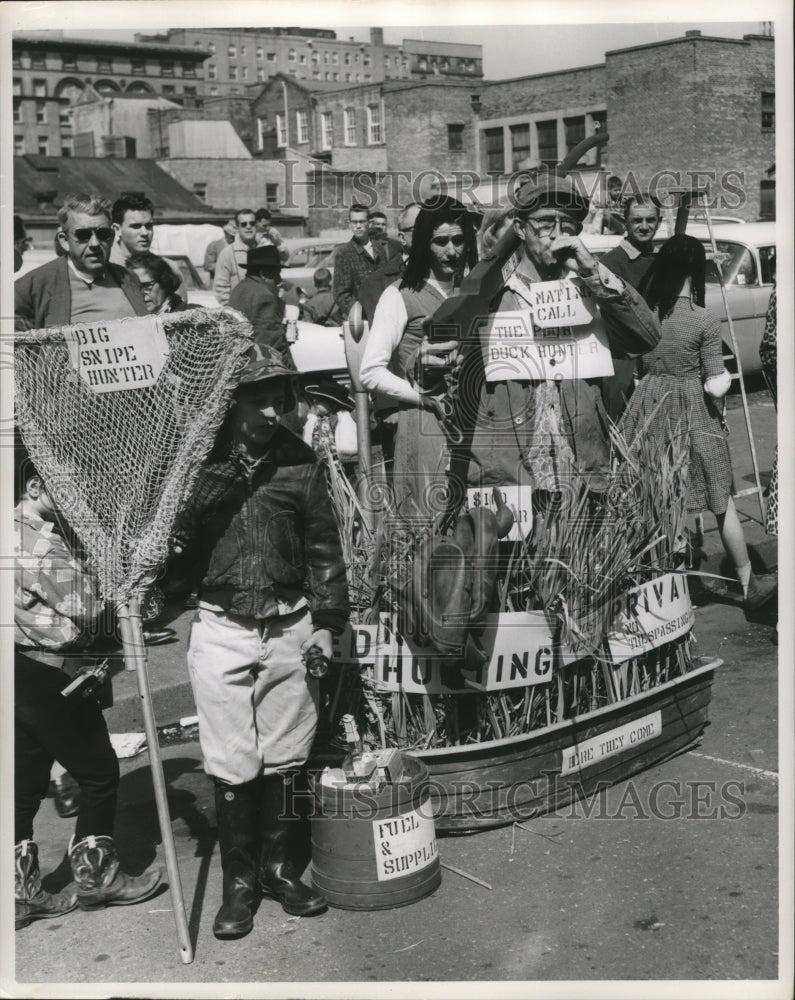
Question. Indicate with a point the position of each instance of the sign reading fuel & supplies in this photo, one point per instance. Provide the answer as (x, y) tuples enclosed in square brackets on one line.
[(403, 844)]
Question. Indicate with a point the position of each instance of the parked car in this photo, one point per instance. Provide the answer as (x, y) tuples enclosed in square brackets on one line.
[(303, 276), (747, 254), (308, 251)]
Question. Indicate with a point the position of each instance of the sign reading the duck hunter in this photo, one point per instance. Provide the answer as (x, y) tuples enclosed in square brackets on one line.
[(520, 646), (550, 340)]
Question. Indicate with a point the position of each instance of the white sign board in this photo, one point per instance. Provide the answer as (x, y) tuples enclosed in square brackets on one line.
[(565, 302), (656, 612), (519, 645), (403, 845), (518, 497), (514, 349), (613, 742), (118, 354)]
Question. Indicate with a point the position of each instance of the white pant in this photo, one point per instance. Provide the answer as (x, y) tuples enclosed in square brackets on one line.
[(257, 707)]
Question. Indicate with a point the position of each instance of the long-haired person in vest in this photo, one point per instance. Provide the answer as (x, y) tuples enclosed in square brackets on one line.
[(443, 248)]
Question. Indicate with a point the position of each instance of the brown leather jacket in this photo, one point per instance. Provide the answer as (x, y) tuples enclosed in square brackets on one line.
[(260, 536)]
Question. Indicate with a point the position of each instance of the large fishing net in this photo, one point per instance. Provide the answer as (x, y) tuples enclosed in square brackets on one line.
[(121, 462)]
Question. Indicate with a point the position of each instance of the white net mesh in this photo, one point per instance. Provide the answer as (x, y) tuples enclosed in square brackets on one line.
[(120, 465)]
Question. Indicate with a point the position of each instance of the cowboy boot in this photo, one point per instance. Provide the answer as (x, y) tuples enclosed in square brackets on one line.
[(100, 880), (286, 845), (236, 810), (31, 902)]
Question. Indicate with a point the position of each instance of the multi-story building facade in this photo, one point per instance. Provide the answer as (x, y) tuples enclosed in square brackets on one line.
[(50, 72), (240, 57)]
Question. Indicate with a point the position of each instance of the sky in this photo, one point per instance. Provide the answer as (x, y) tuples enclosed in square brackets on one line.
[(508, 50)]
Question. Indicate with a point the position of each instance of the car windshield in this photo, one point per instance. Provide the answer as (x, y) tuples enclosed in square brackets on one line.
[(736, 261)]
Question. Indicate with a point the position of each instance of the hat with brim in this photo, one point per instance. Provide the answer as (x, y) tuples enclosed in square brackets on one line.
[(264, 362), (330, 392), (262, 258), (551, 191)]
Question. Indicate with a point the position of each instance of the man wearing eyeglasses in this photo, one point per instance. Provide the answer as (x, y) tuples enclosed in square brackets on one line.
[(529, 427), (81, 285), (230, 268)]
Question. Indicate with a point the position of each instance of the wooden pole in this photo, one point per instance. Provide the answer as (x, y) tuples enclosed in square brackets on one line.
[(132, 637)]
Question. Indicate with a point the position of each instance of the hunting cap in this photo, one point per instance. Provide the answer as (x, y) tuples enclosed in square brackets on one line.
[(264, 362), (259, 258), (549, 190)]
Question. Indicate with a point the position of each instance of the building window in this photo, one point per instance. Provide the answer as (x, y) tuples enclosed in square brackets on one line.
[(17, 87), (260, 52), (367, 60), (66, 147), (211, 48), (232, 51), (368, 76), (302, 125), (262, 128), (16, 59), (214, 92), (302, 59), (357, 57), (326, 130), (325, 58), (347, 58), (281, 131), (17, 112), (599, 126), (315, 58), (19, 145), (547, 133), (328, 75), (189, 70), (138, 67), (768, 113), (271, 57), (348, 77), (445, 65), (242, 50), (494, 148), (575, 131), (43, 146), (212, 71), (335, 58), (166, 69), (169, 89), (350, 125), (387, 62), (374, 131), (261, 74), (233, 72), (106, 66), (39, 88), (422, 62), (37, 61), (767, 200), (244, 72), (272, 195), (335, 76), (315, 74), (291, 55), (65, 118), (41, 113), (520, 144), (455, 137)]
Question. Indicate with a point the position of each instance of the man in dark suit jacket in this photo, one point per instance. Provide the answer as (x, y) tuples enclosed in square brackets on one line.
[(81, 286), (357, 258), (257, 297)]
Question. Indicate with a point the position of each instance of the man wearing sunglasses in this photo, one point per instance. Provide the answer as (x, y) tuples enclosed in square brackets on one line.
[(230, 268), (82, 285)]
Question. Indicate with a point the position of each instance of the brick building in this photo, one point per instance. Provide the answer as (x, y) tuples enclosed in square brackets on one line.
[(239, 57), (50, 72)]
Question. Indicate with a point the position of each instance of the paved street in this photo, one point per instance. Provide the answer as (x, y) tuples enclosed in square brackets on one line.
[(608, 890)]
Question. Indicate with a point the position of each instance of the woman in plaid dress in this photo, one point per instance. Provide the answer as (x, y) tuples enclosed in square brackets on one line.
[(684, 381)]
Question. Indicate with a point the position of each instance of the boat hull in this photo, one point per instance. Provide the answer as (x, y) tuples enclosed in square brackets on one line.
[(502, 781)]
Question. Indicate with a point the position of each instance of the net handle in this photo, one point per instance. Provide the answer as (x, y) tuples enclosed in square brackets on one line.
[(132, 637)]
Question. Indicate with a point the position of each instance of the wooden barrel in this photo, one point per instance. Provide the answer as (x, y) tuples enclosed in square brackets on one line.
[(375, 850)]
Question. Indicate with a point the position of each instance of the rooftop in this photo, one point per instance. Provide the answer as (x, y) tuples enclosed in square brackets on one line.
[(107, 177), (20, 40)]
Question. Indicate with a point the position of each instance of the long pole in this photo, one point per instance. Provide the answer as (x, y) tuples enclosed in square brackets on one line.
[(132, 638)]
